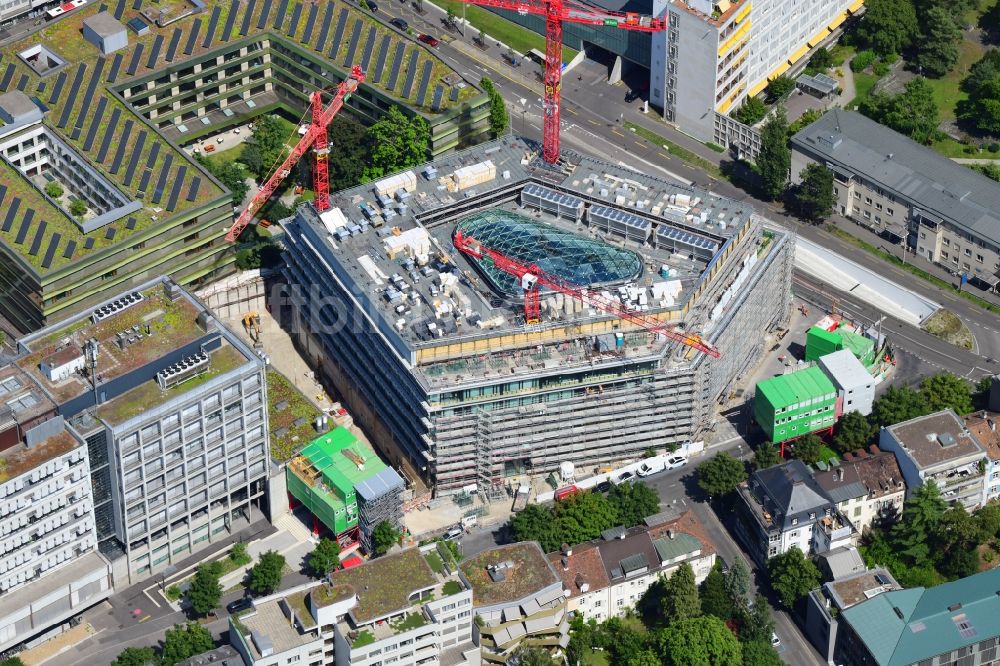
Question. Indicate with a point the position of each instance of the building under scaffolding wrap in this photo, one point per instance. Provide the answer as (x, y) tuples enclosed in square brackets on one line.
[(431, 350), (345, 486)]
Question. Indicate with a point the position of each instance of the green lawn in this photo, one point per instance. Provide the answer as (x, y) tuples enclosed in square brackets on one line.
[(947, 90), (863, 84), (677, 151), (513, 35)]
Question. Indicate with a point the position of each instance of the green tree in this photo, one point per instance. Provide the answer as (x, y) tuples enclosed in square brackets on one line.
[(530, 655), (752, 111), (78, 207), (184, 641), (623, 641), (582, 517), (680, 596), (134, 656), (54, 190), (778, 88), (396, 142), (988, 522), (944, 390), (813, 198), (384, 537), (821, 59), (269, 138), (499, 118), (714, 597), (11, 661), (535, 522), (252, 159), (774, 159), (910, 538), (982, 109), (940, 36), (888, 26), (204, 592), (265, 576), (956, 538), (808, 449), (897, 404), (853, 431), (633, 501), (739, 583), (232, 176), (720, 475), (756, 622), (325, 557), (348, 152), (274, 210), (760, 653), (912, 112), (980, 395), (990, 23), (806, 119), (699, 641), (766, 455), (792, 576), (239, 555)]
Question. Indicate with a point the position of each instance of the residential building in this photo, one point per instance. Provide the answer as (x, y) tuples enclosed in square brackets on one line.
[(604, 578), (790, 406), (941, 448), (983, 426), (437, 368), (173, 407), (50, 569), (784, 507), (224, 655), (826, 604), (953, 623), (346, 487), (855, 385), (867, 486), (946, 212), (281, 630), (187, 74), (518, 599), (841, 562)]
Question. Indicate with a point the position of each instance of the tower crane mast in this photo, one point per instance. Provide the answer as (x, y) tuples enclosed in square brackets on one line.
[(531, 277)]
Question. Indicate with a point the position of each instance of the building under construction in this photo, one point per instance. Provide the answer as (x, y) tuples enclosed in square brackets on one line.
[(432, 350)]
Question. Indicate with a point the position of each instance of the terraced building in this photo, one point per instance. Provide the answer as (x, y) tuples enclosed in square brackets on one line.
[(108, 130)]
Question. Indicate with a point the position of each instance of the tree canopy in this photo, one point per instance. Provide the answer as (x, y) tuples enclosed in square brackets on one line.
[(921, 515), (204, 592), (680, 596), (714, 597), (760, 653), (348, 152), (766, 455), (792, 576), (944, 390), (738, 583), (813, 197), (632, 502), (982, 109), (940, 36), (756, 622), (808, 449), (778, 88), (912, 112), (888, 26), (751, 112), (396, 143), (265, 149), (134, 656), (852, 432), (384, 537), (325, 557), (184, 641), (897, 404), (775, 159), (700, 641), (719, 475), (499, 118), (265, 576)]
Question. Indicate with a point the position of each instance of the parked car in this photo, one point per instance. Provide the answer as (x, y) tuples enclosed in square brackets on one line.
[(239, 605), (564, 492), (723, 565), (372, 7), (651, 466), (603, 486), (775, 641), (429, 40), (673, 462), (624, 477), (399, 23), (453, 534)]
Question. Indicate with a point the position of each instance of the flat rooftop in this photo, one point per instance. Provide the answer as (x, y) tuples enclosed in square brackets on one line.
[(862, 586), (529, 572), (936, 439), (20, 459), (797, 387), (21, 394), (269, 621), (386, 584), (290, 416)]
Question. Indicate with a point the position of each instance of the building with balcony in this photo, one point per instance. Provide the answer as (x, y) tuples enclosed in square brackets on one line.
[(173, 407), (784, 507), (518, 599), (939, 447), (983, 426), (867, 486), (604, 578)]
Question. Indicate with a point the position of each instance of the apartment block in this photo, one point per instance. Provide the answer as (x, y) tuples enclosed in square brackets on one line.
[(867, 486), (983, 426), (943, 211), (604, 578), (939, 447), (518, 598), (173, 408)]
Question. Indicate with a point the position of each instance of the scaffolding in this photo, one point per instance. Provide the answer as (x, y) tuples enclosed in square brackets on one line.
[(490, 487)]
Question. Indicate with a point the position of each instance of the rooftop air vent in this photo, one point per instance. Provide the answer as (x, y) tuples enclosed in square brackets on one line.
[(182, 370), (116, 306)]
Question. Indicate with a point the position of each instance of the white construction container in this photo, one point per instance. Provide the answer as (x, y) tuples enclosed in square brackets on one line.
[(333, 220), (406, 180), (476, 174)]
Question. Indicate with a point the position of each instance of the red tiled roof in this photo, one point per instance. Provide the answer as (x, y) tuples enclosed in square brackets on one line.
[(585, 562)]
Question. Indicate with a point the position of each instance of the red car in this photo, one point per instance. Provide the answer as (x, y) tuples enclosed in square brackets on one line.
[(429, 40)]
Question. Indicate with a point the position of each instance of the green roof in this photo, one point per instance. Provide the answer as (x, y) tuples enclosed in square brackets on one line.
[(680, 545), (859, 345), (907, 626), (334, 455), (786, 390)]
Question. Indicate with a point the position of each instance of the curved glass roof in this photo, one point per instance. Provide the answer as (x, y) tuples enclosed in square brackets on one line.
[(578, 259)]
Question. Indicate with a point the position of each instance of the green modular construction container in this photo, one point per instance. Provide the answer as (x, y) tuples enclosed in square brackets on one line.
[(795, 404), (863, 348), (820, 342)]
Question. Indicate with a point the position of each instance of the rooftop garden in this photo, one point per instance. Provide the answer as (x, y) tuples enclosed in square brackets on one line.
[(324, 595), (297, 603), (365, 637), (530, 573), (385, 585), (408, 622), (18, 460), (286, 407)]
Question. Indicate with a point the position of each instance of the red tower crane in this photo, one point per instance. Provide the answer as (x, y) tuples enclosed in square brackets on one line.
[(531, 277), (315, 138), (557, 12)]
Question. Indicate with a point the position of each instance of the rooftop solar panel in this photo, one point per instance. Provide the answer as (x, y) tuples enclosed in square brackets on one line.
[(154, 54), (75, 134), (293, 24), (22, 83), (245, 26), (193, 190), (366, 59), (264, 13), (109, 134), (280, 17), (325, 30), (175, 39), (438, 98), (152, 155), (77, 81), (7, 76), (60, 82), (454, 94), (51, 251), (89, 243), (213, 23), (161, 180), (425, 80), (8, 221), (133, 64), (110, 232), (411, 72), (3, 193), (397, 61), (70, 249), (88, 97), (352, 50), (192, 37), (134, 160), (144, 181), (231, 21), (338, 35), (130, 223), (116, 163), (137, 4), (175, 191), (310, 23), (41, 86), (383, 51), (22, 231), (119, 9), (116, 65), (36, 243)]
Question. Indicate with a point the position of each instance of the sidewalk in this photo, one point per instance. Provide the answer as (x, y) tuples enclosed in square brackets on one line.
[(56, 645)]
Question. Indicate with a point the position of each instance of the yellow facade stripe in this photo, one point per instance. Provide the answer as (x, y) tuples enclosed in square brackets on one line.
[(855, 6), (818, 37), (742, 14), (756, 88), (778, 71), (724, 106), (801, 51), (735, 38), (836, 22)]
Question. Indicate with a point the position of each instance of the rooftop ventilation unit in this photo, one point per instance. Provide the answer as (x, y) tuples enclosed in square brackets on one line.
[(182, 370), (116, 306)]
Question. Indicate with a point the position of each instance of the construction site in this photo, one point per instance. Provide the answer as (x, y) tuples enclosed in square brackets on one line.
[(488, 315)]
